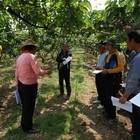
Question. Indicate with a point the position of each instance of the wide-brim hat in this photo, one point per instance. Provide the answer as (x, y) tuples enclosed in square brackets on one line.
[(112, 42), (26, 43)]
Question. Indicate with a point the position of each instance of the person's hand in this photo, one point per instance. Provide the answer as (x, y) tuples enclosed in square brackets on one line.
[(104, 71), (122, 100), (49, 72), (101, 68), (63, 59)]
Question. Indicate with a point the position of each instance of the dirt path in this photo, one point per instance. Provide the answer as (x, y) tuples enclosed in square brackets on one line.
[(90, 120)]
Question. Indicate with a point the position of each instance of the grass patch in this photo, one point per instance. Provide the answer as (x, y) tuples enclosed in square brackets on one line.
[(53, 117), (7, 78)]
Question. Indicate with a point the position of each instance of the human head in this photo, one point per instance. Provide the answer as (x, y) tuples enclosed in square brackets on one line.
[(111, 45), (28, 45), (133, 41), (101, 47), (30, 48), (65, 47)]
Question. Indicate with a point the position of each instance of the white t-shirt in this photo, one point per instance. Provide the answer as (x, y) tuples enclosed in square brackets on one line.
[(101, 59)]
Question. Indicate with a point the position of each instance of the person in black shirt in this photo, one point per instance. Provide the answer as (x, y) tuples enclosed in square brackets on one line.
[(64, 70)]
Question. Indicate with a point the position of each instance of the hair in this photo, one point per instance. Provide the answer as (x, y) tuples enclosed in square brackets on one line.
[(29, 47), (65, 44), (134, 35)]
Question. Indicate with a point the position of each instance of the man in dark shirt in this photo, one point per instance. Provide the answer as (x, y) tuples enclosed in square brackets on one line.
[(64, 70)]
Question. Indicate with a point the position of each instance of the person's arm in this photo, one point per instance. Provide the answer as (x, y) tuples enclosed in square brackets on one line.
[(120, 65), (132, 82), (35, 66), (69, 54), (59, 58)]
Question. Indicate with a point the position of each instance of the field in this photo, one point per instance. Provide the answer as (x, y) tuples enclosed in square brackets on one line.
[(55, 118)]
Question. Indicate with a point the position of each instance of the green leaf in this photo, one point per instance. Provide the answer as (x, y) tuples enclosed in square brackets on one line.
[(86, 4), (68, 14), (136, 12), (135, 2)]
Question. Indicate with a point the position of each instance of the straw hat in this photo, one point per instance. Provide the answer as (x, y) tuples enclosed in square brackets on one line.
[(27, 42)]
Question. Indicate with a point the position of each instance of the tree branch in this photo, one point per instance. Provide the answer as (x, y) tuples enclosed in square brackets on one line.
[(12, 12)]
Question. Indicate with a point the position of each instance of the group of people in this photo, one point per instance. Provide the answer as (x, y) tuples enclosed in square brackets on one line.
[(111, 62), (26, 72)]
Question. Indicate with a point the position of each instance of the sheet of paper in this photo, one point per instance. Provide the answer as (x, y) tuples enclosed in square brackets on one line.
[(67, 60), (97, 71), (123, 85), (17, 96), (127, 106), (136, 100)]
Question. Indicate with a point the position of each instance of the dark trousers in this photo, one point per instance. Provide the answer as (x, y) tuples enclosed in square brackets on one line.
[(120, 79), (99, 81), (135, 120), (64, 75), (111, 88), (28, 95)]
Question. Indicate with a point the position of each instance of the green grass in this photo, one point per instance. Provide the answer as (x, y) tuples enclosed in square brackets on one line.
[(7, 67), (53, 118)]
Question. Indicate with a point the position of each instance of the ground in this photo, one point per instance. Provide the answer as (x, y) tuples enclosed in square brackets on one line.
[(86, 123)]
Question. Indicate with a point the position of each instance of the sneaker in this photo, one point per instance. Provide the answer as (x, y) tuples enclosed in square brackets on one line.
[(96, 101), (61, 95), (109, 120), (67, 98), (31, 131), (100, 106)]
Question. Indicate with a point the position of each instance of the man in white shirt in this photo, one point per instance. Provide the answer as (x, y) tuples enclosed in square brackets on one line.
[(99, 77)]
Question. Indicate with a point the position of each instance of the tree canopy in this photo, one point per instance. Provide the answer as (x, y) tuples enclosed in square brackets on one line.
[(51, 22)]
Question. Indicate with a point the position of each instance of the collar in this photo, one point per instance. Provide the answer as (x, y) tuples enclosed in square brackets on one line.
[(112, 52), (25, 52), (133, 54)]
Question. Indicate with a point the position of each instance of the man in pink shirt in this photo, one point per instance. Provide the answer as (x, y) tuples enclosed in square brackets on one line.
[(27, 71)]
